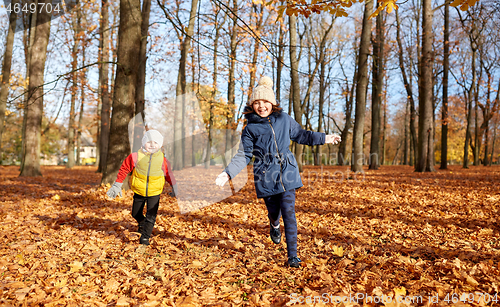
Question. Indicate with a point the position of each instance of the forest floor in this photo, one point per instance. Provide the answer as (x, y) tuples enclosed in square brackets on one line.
[(426, 238)]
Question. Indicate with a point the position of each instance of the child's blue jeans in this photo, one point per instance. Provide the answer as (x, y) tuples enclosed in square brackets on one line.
[(283, 204)]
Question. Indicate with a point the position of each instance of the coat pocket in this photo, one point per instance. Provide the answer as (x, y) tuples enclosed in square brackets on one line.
[(291, 160)]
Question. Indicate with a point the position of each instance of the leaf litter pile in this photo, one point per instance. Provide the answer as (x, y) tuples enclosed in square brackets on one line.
[(432, 238)]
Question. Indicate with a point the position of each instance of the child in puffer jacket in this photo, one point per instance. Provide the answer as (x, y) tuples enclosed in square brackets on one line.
[(150, 169), (276, 176)]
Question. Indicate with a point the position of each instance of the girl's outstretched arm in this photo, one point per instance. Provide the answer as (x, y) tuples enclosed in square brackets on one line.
[(305, 137), (242, 157)]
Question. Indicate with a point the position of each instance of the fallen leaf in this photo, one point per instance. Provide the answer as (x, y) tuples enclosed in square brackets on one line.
[(197, 264), (111, 285), (21, 293), (122, 301), (76, 266), (338, 250)]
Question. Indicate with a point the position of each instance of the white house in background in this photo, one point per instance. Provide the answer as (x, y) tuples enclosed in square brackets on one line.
[(88, 149), (48, 160)]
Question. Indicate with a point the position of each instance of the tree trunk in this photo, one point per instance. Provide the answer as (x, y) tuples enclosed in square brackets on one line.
[(469, 97), (406, 140), (326, 124), (82, 101), (446, 68), (412, 151), (486, 118), (34, 107), (74, 64), (5, 79), (486, 143), (141, 78), (82, 104), (231, 88), (477, 140), (103, 86), (79, 135), (426, 115), (493, 143), (467, 133), (307, 99), (29, 40), (320, 64), (312, 73), (179, 124), (419, 41), (413, 132), (384, 132), (294, 71), (193, 106), (377, 86), (218, 27), (409, 93), (349, 102), (129, 42), (434, 103), (114, 54), (321, 102), (279, 60), (362, 85), (488, 115), (395, 160), (98, 114)]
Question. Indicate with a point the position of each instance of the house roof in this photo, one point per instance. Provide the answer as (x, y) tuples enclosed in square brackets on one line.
[(87, 139)]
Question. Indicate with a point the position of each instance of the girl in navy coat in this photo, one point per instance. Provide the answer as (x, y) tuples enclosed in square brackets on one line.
[(267, 138)]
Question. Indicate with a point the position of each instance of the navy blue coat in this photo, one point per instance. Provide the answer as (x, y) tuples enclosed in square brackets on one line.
[(268, 140)]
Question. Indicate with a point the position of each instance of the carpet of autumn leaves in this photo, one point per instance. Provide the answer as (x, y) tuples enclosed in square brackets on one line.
[(387, 232)]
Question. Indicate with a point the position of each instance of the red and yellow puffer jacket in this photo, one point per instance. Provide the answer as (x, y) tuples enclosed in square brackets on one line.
[(149, 172)]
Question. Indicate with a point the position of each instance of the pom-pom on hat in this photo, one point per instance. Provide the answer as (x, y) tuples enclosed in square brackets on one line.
[(263, 91), (152, 135)]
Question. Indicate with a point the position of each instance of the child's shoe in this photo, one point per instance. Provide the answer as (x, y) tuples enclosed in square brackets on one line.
[(294, 262), (275, 234), (144, 241)]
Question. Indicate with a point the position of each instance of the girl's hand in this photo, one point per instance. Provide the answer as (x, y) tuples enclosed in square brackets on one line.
[(332, 139), (222, 179)]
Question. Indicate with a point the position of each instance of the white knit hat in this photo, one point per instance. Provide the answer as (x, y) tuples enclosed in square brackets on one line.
[(152, 135), (263, 91)]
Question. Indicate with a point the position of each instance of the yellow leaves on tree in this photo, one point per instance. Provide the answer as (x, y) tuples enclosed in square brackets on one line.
[(213, 103), (389, 5)]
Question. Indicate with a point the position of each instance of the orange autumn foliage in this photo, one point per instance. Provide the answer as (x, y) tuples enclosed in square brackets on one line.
[(339, 8), (387, 232)]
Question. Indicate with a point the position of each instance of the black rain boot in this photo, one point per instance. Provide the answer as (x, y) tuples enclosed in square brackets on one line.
[(140, 229), (143, 240), (146, 234)]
